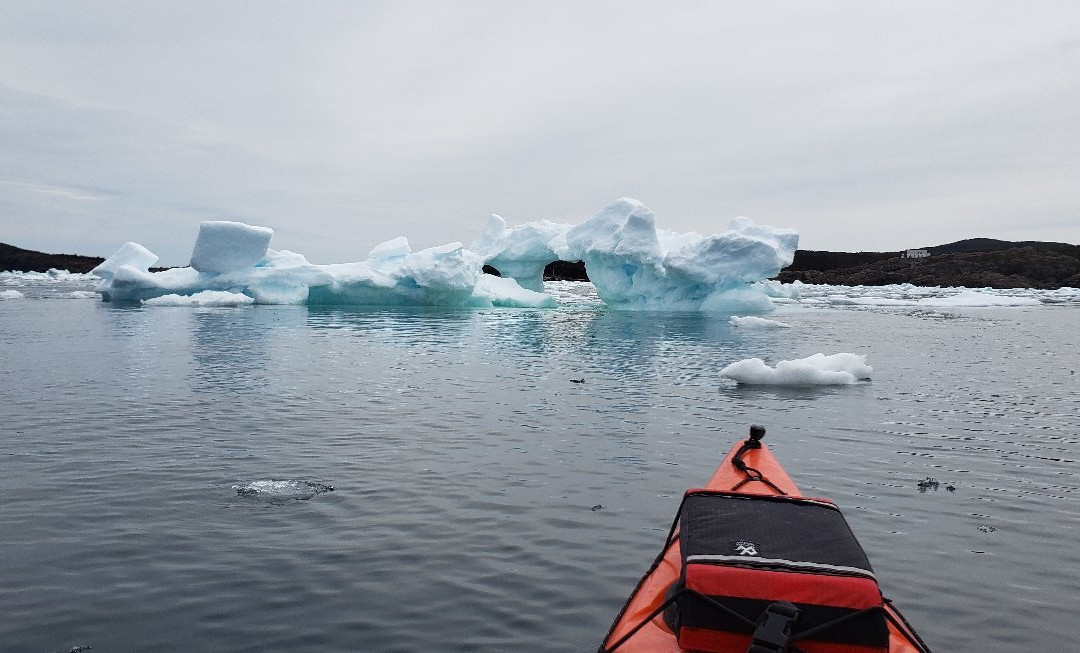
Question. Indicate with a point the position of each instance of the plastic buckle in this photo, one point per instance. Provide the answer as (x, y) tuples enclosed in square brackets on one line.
[(773, 633)]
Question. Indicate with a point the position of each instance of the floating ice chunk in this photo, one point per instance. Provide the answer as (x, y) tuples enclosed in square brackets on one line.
[(132, 254), (975, 299), (522, 252), (1060, 296), (52, 276), (963, 299), (907, 295), (500, 291), (224, 246), (10, 294), (279, 490), (83, 294), (204, 298), (752, 322), (778, 290), (819, 369)]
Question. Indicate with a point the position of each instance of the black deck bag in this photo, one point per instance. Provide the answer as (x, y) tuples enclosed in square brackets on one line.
[(749, 552)]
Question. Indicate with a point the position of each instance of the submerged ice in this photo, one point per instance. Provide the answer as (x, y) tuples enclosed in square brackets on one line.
[(631, 263), (282, 490)]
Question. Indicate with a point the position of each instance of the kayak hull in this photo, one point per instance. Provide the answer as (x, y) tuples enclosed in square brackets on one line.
[(655, 636)]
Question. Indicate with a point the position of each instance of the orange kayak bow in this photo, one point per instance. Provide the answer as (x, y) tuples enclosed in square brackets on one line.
[(749, 471)]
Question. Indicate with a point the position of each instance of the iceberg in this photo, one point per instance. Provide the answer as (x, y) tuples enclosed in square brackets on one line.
[(631, 263), (819, 369)]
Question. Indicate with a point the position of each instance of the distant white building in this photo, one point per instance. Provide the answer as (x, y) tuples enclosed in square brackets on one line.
[(916, 253)]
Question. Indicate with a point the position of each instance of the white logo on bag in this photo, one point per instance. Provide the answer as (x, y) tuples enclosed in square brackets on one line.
[(746, 548)]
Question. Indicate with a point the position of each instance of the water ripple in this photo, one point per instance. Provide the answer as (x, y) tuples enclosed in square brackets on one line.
[(468, 465)]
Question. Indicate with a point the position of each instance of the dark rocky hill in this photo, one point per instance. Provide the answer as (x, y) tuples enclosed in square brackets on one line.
[(992, 245), (1002, 264), (14, 259)]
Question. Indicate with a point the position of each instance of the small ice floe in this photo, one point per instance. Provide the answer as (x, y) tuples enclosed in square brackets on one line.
[(751, 322), (83, 294), (10, 294), (974, 298), (204, 298), (819, 369), (282, 490)]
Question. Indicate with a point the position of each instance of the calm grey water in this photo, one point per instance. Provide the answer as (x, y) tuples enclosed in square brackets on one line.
[(469, 469)]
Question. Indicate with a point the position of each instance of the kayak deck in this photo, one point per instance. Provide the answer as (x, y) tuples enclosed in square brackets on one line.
[(655, 636)]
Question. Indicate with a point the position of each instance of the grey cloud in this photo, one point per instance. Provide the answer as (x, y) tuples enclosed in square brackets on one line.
[(343, 124)]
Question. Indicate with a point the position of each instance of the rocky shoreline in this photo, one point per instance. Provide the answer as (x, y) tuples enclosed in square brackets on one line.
[(15, 259), (974, 263)]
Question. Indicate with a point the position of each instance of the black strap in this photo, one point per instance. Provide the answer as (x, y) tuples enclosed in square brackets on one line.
[(829, 625), (751, 473)]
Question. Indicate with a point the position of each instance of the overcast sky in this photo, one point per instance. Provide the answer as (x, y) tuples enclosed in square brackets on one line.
[(865, 126)]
